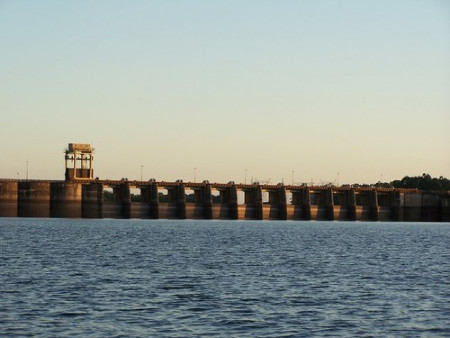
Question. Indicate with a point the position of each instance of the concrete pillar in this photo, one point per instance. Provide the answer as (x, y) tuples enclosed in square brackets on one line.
[(431, 207), (74, 165), (351, 205), (373, 205), (282, 203), (9, 198), (257, 203), (395, 206), (329, 205), (207, 202), (412, 207), (65, 200), (154, 201), (233, 202), (445, 207), (125, 199), (306, 204), (181, 201), (34, 199), (91, 170), (92, 200)]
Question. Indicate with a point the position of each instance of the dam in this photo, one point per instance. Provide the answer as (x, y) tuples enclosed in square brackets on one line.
[(81, 195)]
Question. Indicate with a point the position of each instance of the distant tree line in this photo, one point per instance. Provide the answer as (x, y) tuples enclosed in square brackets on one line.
[(424, 182)]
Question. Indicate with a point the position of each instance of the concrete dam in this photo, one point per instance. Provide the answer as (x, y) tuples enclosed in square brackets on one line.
[(82, 196), (86, 199)]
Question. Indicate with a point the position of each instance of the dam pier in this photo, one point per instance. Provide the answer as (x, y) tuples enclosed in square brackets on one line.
[(82, 196)]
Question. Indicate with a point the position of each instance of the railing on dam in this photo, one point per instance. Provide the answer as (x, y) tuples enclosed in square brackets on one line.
[(159, 199)]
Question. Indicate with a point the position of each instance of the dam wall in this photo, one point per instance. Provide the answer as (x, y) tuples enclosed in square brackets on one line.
[(92, 200), (33, 199), (179, 200), (65, 200), (9, 195)]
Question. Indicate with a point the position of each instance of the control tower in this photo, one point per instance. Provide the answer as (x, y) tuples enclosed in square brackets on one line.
[(79, 158)]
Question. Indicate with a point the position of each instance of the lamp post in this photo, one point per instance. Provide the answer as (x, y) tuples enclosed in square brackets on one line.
[(292, 177)]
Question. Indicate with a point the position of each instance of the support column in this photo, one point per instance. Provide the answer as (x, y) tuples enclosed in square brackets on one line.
[(431, 207), (92, 200), (154, 201), (66, 158), (282, 204), (233, 202), (125, 199), (34, 199), (445, 207), (74, 164), (412, 207), (8, 198), (258, 204), (207, 202), (65, 200), (181, 201), (373, 205), (329, 205), (395, 200), (145, 201), (351, 205), (306, 204), (91, 171)]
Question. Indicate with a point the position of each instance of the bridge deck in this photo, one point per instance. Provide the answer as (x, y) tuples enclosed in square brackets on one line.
[(215, 185)]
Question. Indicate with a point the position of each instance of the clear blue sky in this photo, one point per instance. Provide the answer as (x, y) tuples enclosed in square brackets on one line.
[(360, 88)]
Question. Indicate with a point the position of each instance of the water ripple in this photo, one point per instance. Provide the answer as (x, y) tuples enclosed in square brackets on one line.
[(181, 279)]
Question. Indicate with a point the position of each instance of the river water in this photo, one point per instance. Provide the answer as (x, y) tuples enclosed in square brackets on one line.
[(223, 278)]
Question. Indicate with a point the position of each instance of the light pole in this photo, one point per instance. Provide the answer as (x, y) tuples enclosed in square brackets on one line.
[(17, 176), (293, 177), (337, 182)]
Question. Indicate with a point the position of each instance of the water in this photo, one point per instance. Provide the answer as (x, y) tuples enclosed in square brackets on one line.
[(223, 278)]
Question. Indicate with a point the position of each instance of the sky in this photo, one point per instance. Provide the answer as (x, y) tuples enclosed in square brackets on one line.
[(286, 91)]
